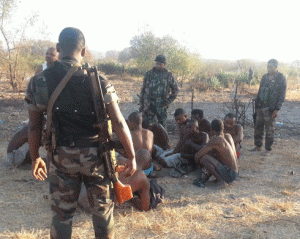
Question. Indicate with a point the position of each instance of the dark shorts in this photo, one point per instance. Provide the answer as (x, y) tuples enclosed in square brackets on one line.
[(227, 174)]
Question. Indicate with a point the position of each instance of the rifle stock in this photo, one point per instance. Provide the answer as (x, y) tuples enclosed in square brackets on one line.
[(106, 144)]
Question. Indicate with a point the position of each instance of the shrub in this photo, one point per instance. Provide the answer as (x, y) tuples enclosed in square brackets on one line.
[(110, 68), (214, 81)]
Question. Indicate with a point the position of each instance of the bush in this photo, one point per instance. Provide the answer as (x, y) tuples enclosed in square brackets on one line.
[(111, 68), (214, 81), (226, 78)]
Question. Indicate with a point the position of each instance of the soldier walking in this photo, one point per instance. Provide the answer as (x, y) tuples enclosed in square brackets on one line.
[(158, 92), (270, 97), (75, 139)]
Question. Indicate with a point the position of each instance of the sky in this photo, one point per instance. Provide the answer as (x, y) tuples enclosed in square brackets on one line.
[(217, 29)]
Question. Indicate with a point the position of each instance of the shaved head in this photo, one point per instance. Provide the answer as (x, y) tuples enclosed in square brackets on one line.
[(193, 122), (217, 125), (71, 40), (136, 118)]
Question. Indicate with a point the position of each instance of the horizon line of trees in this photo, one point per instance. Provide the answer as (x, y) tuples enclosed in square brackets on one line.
[(20, 56)]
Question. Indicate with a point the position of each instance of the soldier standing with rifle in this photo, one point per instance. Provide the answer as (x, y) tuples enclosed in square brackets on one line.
[(270, 97), (158, 92), (75, 133)]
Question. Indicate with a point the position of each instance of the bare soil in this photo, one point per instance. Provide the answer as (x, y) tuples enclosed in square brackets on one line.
[(262, 203)]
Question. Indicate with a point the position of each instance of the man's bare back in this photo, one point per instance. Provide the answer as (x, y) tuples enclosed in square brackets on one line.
[(142, 139), (223, 150), (217, 158)]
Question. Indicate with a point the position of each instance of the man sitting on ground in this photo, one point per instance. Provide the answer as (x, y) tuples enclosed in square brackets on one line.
[(138, 182), (141, 138), (193, 141), (161, 137), (235, 130), (204, 124), (217, 158), (182, 120)]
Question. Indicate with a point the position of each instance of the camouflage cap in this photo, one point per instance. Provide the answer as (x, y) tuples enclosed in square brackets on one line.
[(161, 59)]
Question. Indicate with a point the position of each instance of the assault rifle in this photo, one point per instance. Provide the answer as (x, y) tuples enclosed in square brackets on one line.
[(106, 144)]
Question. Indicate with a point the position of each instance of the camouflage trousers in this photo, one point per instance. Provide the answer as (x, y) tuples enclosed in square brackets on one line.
[(69, 168), (157, 112), (264, 121)]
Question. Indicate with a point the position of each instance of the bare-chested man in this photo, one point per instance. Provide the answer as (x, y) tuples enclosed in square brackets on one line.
[(204, 124), (235, 130), (138, 181), (193, 141), (141, 138), (182, 120), (217, 158), (51, 57)]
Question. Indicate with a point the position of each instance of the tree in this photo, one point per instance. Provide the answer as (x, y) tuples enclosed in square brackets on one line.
[(14, 43), (125, 56), (146, 46)]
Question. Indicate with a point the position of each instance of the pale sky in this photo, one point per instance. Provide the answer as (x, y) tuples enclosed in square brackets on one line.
[(217, 29)]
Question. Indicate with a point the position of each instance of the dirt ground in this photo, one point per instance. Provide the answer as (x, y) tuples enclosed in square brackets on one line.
[(262, 203)]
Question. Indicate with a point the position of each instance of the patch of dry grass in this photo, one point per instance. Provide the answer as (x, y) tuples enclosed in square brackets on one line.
[(263, 202)]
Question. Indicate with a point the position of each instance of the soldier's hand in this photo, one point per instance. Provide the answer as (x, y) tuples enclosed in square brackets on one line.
[(130, 167), (39, 169)]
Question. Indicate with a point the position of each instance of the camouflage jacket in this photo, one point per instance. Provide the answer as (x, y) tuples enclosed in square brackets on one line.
[(158, 85), (271, 93)]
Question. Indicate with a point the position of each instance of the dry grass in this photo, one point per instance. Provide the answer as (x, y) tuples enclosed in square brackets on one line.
[(262, 203)]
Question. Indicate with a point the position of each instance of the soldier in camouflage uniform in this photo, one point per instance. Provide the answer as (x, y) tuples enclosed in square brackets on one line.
[(158, 92), (75, 158), (270, 97)]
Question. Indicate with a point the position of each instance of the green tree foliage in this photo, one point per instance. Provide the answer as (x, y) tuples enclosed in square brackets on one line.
[(146, 46)]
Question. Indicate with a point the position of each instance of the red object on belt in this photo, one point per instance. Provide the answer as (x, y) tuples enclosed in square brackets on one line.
[(238, 154)]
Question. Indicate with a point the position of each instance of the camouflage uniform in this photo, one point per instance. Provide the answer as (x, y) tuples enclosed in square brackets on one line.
[(158, 92), (71, 166), (270, 97)]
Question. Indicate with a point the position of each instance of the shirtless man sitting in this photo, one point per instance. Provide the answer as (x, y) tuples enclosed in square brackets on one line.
[(182, 120), (235, 130), (142, 138), (193, 141), (217, 158), (138, 181), (204, 124)]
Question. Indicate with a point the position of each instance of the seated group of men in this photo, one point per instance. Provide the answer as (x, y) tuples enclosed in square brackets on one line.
[(213, 148), (210, 147)]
